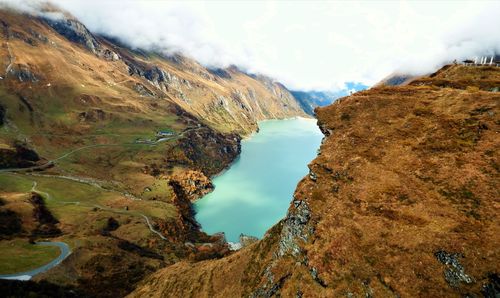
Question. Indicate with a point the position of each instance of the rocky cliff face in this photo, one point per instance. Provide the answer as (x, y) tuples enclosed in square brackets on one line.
[(400, 202), (229, 100)]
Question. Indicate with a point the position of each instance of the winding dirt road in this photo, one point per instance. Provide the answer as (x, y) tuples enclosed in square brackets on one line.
[(147, 220)]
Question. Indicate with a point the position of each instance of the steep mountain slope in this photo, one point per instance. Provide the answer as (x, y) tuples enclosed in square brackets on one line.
[(109, 137), (402, 201)]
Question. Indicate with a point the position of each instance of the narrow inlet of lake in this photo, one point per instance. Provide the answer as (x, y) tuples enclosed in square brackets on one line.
[(256, 191)]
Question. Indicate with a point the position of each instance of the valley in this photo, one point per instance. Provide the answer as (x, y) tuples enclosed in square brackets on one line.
[(120, 166), (107, 137), (401, 201), (254, 193)]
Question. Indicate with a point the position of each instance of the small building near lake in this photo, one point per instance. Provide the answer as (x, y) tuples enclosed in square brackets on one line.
[(164, 133)]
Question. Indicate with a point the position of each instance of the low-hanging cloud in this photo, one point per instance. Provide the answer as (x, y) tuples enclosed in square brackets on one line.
[(320, 45)]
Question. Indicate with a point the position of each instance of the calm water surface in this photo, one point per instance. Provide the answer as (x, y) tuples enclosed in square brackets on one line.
[(255, 192)]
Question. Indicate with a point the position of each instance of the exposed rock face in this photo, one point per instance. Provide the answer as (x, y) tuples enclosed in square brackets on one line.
[(492, 289), (236, 106), (311, 99), (454, 273), (221, 73), (295, 229), (142, 90), (185, 229), (110, 55), (246, 240), (23, 73), (195, 184), (399, 203), (76, 32), (186, 214), (209, 151)]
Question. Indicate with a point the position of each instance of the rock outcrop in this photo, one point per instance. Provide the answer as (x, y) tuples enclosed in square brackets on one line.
[(78, 33), (246, 240), (23, 73), (74, 31), (194, 184)]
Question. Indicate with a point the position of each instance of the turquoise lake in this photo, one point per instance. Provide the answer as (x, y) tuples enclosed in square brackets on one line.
[(256, 191)]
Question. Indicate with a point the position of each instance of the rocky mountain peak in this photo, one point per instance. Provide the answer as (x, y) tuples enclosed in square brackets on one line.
[(74, 31)]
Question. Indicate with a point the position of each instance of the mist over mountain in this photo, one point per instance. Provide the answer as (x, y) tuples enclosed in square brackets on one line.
[(119, 120), (346, 41)]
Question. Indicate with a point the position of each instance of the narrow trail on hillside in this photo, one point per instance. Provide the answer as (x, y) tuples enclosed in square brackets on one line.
[(133, 213), (89, 181), (94, 182), (53, 161), (33, 189), (152, 229)]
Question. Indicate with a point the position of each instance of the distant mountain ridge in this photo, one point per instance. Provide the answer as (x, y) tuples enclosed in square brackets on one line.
[(309, 100)]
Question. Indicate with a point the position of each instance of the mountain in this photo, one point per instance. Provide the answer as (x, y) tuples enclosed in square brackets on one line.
[(396, 79), (401, 79), (401, 201), (309, 100), (104, 147)]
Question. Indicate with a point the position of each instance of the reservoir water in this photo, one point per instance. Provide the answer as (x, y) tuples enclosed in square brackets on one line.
[(256, 191)]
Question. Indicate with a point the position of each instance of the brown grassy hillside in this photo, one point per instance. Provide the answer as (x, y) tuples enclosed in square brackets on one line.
[(81, 114), (402, 201)]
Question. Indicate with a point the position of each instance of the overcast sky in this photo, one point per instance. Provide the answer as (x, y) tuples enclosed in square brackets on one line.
[(305, 45)]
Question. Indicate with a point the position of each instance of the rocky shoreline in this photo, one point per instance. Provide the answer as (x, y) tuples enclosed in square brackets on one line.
[(190, 186)]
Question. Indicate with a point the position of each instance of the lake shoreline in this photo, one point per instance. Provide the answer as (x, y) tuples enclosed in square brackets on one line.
[(299, 138)]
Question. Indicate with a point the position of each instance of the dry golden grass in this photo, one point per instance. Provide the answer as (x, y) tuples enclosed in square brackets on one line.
[(404, 172), (79, 99)]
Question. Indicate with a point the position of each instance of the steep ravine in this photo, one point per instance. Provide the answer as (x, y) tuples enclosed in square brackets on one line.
[(402, 201)]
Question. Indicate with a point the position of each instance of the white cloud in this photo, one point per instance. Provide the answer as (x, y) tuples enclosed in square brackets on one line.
[(304, 44)]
